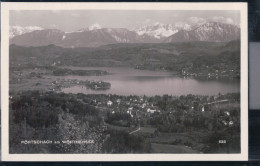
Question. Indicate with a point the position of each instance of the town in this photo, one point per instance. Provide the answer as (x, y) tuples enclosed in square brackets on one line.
[(211, 73), (187, 123)]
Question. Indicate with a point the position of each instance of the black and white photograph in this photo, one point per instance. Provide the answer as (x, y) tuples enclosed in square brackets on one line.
[(125, 81)]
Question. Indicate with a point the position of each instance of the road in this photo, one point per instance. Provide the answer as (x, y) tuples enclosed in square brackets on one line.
[(132, 132)]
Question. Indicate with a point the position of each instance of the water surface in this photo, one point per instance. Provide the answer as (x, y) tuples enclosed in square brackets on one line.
[(128, 81)]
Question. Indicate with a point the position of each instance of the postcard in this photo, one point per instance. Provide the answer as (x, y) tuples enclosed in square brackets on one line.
[(124, 81)]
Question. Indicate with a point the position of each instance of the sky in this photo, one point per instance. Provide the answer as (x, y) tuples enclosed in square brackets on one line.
[(71, 20)]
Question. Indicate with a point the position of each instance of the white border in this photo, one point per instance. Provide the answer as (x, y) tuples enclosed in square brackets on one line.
[(6, 6)]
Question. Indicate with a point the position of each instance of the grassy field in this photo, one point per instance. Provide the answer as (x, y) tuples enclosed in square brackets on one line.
[(118, 128), (166, 148), (147, 130), (171, 137), (190, 139)]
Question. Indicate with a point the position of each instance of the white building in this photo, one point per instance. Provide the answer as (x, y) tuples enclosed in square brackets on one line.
[(227, 113), (109, 103), (118, 101), (130, 109), (231, 123), (224, 122), (151, 111)]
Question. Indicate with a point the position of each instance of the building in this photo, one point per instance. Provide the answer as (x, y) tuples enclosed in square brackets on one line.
[(201, 108), (227, 113), (231, 123), (109, 103), (130, 109), (151, 111), (118, 101)]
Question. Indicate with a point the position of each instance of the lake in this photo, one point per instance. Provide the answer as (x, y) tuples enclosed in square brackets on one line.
[(129, 81)]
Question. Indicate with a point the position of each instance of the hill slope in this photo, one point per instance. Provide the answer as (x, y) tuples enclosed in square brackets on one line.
[(210, 31)]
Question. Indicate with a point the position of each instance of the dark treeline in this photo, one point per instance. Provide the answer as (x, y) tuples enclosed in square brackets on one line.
[(64, 72), (53, 116), (59, 116), (193, 56)]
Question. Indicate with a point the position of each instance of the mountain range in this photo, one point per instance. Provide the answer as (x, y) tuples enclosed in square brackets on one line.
[(210, 31), (161, 31), (18, 30), (95, 35)]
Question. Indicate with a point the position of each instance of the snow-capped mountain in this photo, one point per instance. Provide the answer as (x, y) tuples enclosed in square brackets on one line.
[(18, 30), (209, 31), (92, 36), (98, 37), (94, 26), (218, 32), (38, 38), (95, 35), (157, 30), (183, 26), (91, 28), (123, 35)]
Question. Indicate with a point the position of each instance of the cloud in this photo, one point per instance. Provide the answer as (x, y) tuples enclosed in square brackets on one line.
[(149, 22), (175, 15), (199, 20), (75, 15), (221, 19), (196, 20), (53, 26)]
